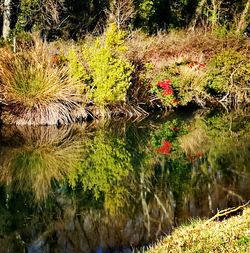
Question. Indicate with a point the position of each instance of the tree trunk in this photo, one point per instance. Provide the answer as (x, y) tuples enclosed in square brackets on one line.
[(6, 18), (242, 23), (198, 12)]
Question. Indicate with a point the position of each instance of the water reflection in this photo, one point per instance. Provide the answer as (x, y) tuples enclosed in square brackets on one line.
[(111, 187), (32, 158)]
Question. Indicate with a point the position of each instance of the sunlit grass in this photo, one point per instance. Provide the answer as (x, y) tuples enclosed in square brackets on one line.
[(35, 89), (232, 235)]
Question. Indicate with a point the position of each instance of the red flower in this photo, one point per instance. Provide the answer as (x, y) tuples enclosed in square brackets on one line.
[(166, 86), (55, 59), (196, 65), (164, 148), (167, 92), (191, 65)]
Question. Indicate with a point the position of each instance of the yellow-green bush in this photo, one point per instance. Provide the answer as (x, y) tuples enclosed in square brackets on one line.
[(228, 73), (225, 78), (185, 83), (76, 69), (108, 73)]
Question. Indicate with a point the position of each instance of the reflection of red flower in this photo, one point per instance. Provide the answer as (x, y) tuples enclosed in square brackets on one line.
[(164, 148), (166, 86), (195, 157)]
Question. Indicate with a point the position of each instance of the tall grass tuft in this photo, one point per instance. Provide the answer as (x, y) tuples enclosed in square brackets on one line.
[(37, 91)]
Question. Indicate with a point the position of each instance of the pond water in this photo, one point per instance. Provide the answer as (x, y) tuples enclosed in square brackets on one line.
[(118, 186)]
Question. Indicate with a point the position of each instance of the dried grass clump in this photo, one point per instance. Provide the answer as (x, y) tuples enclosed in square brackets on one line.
[(197, 43), (37, 91)]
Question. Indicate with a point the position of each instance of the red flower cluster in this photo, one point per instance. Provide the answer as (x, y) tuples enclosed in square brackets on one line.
[(164, 148), (166, 86), (196, 65)]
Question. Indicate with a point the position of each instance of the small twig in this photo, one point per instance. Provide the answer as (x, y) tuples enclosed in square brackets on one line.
[(224, 98), (226, 212)]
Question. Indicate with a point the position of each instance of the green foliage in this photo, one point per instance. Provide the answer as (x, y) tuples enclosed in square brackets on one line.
[(228, 72), (109, 71), (244, 240), (185, 77), (178, 15), (105, 164), (146, 11), (27, 16), (75, 67)]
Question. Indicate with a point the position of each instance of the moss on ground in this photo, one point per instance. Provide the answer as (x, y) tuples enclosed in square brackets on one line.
[(231, 235)]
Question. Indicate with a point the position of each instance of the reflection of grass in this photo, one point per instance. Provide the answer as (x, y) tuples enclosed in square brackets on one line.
[(195, 142), (231, 235), (47, 154)]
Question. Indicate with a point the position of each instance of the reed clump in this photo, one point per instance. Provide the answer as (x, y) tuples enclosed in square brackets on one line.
[(35, 90)]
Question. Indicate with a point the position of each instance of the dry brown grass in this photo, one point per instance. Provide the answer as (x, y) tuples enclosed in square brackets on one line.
[(196, 44), (195, 142)]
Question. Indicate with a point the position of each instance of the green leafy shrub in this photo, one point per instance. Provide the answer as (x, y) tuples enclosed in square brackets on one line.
[(184, 83), (76, 69), (109, 73), (228, 73)]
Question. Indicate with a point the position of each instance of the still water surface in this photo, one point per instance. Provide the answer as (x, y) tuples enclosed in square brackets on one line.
[(117, 186)]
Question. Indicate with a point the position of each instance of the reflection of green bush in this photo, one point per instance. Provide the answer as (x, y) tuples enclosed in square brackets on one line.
[(104, 167), (226, 142), (170, 130), (229, 72)]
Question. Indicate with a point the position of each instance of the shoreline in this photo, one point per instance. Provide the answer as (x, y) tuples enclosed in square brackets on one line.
[(229, 235)]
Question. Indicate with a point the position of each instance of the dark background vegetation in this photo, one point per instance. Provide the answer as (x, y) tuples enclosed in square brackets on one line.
[(74, 18)]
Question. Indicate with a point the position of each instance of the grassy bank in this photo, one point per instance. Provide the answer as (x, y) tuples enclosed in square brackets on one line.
[(123, 74), (231, 235)]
